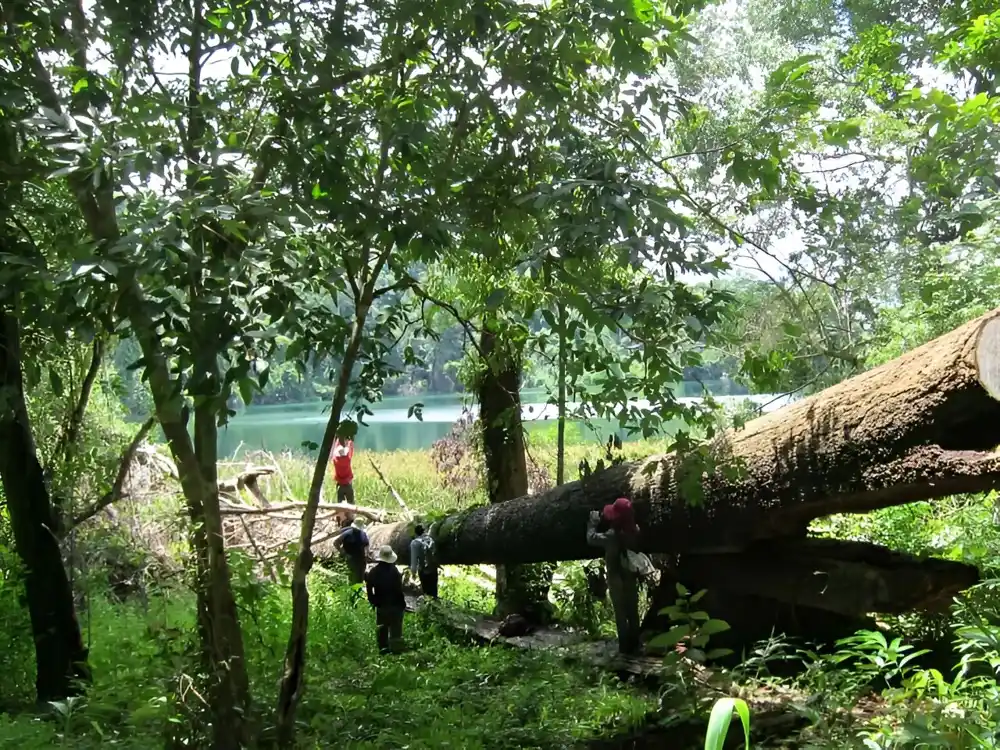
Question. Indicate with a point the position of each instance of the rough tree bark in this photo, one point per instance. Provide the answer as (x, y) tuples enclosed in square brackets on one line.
[(59, 651), (920, 427), (520, 589), (843, 577)]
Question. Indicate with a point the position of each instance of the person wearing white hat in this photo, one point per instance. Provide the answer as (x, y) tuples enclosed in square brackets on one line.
[(343, 474), (384, 584)]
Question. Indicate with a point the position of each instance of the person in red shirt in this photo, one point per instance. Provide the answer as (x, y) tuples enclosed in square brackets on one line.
[(342, 472)]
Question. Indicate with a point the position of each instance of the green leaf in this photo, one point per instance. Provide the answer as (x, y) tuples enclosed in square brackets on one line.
[(671, 638), (495, 299), (56, 382), (720, 719), (643, 10), (711, 627), (246, 390), (841, 134)]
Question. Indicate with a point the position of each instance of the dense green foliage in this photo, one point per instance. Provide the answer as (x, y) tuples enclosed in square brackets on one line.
[(205, 206)]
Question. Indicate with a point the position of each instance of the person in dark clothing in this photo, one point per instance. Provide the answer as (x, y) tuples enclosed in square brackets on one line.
[(384, 584), (623, 581), (422, 561), (354, 542)]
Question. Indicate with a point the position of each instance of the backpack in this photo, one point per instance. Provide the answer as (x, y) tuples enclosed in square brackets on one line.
[(427, 562), (638, 563)]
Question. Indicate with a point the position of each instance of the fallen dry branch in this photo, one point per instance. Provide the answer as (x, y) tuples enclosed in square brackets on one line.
[(407, 515), (248, 479), (337, 509), (269, 532), (261, 558)]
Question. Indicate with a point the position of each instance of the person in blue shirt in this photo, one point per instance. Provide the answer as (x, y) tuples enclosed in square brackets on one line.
[(353, 541), (422, 561)]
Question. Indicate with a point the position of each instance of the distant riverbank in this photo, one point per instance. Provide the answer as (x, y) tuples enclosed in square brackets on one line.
[(277, 428)]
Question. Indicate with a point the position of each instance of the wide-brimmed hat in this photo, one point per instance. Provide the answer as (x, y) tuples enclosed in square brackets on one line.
[(620, 514), (386, 555), (358, 522)]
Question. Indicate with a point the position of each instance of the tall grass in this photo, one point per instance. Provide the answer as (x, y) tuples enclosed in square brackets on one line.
[(413, 475)]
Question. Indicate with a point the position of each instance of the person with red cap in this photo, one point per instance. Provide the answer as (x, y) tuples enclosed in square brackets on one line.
[(623, 582)]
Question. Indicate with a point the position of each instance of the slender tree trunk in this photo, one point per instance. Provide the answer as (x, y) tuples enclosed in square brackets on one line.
[(59, 652), (292, 679), (561, 438), (521, 589), (65, 450)]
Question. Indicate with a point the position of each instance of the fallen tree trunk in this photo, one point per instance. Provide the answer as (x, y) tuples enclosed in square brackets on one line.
[(848, 578), (916, 428)]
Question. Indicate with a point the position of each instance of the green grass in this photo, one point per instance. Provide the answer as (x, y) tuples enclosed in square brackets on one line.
[(414, 477), (437, 695)]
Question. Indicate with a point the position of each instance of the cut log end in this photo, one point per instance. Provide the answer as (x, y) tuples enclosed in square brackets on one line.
[(988, 357)]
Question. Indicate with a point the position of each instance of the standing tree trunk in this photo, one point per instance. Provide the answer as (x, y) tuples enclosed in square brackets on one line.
[(292, 678), (521, 589), (218, 616), (59, 652), (561, 440)]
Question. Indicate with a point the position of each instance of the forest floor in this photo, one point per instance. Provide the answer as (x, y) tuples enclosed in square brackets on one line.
[(446, 690)]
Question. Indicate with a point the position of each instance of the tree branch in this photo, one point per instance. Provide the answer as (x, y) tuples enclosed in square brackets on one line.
[(67, 440), (701, 152), (115, 494), (470, 330), (403, 284)]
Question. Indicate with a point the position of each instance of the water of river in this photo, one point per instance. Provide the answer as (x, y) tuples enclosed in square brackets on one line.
[(287, 427)]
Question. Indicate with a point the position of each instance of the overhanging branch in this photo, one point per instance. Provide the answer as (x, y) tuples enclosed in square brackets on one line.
[(115, 493)]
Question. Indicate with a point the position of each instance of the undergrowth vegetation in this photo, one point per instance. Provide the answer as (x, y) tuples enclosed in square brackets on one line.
[(880, 689), (922, 682), (439, 693)]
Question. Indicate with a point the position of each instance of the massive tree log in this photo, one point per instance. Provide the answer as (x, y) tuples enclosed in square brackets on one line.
[(820, 590), (837, 576), (920, 427)]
